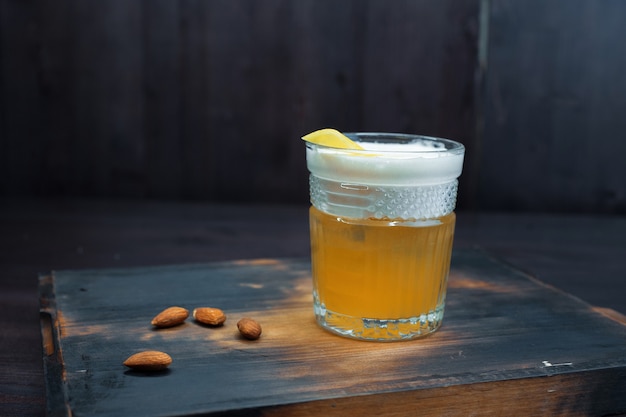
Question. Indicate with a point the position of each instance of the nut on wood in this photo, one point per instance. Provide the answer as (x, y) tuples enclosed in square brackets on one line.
[(171, 316), (249, 328), (209, 315), (148, 360)]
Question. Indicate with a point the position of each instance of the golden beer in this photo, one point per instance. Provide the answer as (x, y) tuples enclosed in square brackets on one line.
[(381, 270), (382, 225)]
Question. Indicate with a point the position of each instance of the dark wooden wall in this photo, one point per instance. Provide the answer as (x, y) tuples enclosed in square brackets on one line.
[(207, 99), (555, 107)]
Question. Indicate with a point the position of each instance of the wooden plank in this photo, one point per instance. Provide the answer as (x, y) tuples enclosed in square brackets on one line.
[(580, 255), (412, 67), (521, 397), (329, 54), (208, 100), (108, 123), (508, 343), (57, 23), (162, 72), (21, 138), (273, 77), (555, 93), (196, 147)]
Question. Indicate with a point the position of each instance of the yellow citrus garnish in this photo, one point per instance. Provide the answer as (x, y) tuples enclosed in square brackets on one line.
[(332, 138)]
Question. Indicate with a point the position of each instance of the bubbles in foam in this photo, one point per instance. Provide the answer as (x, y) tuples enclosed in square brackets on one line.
[(412, 146)]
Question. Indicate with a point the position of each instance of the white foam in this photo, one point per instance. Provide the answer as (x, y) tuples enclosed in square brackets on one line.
[(419, 161), (415, 146)]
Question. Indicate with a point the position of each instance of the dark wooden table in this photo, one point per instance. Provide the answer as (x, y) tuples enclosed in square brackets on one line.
[(582, 255)]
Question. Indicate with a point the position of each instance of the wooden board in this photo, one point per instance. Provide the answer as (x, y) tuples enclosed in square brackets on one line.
[(509, 345)]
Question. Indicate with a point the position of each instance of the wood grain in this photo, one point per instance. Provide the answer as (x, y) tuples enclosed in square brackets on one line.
[(554, 94), (208, 100), (170, 100), (580, 254), (508, 342)]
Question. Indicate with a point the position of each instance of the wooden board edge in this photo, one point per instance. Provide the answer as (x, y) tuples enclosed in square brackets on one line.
[(566, 394), (53, 366), (611, 314)]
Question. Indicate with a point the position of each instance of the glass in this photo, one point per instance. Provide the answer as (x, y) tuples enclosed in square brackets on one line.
[(382, 225)]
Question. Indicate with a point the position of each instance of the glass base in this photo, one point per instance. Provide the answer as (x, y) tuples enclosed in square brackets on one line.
[(379, 330)]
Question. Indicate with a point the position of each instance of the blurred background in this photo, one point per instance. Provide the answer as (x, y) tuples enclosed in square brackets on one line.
[(207, 99)]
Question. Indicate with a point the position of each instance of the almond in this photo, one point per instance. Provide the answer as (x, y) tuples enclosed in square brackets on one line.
[(209, 315), (149, 360), (171, 316), (249, 328)]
